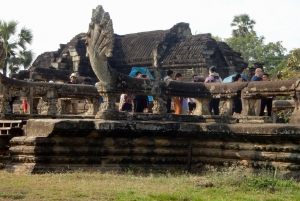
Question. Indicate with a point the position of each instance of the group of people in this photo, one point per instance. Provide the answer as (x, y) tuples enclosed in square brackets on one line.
[(261, 104), (136, 103), (186, 105)]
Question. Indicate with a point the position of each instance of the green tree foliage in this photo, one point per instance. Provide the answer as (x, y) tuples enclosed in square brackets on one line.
[(15, 46), (253, 47), (289, 68), (243, 25)]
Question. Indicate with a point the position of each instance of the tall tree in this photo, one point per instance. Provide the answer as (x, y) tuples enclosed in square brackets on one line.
[(254, 49), (290, 67), (243, 25), (15, 46)]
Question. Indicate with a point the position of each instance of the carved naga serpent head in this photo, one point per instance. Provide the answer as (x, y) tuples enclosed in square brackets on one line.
[(100, 44)]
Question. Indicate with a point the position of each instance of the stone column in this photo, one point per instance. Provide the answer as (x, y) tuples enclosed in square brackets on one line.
[(50, 107), (249, 106), (108, 109), (202, 106), (93, 105), (4, 104), (295, 118), (229, 103), (159, 102)]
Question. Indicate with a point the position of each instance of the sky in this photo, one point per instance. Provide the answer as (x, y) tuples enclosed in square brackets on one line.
[(55, 22)]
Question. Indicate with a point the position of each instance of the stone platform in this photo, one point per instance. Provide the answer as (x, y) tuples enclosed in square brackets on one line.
[(58, 145)]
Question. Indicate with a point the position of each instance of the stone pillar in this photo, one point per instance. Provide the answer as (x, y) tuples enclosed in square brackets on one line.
[(4, 104), (159, 104), (249, 106), (51, 100), (295, 118), (202, 106), (229, 103), (108, 109), (93, 105)]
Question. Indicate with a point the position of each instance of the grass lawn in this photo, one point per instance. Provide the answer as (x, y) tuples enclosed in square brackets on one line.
[(230, 184)]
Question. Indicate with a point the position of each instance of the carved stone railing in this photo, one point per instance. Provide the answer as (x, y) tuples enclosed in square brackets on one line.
[(100, 41), (49, 92)]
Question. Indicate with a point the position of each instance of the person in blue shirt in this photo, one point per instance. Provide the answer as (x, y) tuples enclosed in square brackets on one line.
[(258, 75)]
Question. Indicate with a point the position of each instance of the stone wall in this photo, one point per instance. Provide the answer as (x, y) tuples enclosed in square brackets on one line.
[(67, 145)]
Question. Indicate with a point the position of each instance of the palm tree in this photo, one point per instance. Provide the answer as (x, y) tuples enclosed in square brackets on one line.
[(15, 50), (244, 25)]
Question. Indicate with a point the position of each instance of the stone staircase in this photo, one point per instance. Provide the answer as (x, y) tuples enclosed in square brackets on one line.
[(8, 130)]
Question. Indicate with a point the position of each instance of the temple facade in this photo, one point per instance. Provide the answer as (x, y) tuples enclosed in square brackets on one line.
[(174, 48)]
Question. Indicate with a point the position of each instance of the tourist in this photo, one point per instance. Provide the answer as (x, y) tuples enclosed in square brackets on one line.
[(266, 101), (176, 99), (213, 78), (257, 77), (140, 101), (191, 101), (237, 100), (169, 77), (125, 103), (74, 101)]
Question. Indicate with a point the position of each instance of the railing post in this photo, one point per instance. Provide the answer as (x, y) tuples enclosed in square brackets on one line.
[(295, 118), (50, 107), (202, 106), (108, 108), (4, 104), (93, 105), (160, 104)]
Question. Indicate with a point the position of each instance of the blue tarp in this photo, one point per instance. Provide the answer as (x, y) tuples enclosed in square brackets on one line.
[(144, 71), (229, 78)]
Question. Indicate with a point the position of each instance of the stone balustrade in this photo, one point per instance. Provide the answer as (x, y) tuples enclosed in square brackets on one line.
[(49, 92), (202, 92)]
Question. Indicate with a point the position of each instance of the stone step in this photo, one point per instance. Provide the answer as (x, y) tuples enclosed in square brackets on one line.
[(14, 131)]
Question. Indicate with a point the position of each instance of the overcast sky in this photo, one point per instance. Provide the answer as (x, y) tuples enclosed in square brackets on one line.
[(55, 22)]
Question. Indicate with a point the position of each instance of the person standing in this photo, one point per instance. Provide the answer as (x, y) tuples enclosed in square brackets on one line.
[(266, 101), (140, 102), (176, 99), (213, 77), (169, 77), (191, 101), (258, 75), (237, 100), (74, 102), (255, 78)]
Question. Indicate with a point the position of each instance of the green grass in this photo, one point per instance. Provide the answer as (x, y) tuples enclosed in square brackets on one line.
[(225, 185)]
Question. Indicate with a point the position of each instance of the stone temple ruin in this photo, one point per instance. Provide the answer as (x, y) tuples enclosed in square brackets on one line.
[(106, 139), (175, 48)]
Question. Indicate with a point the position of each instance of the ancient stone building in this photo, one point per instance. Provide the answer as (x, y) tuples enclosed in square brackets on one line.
[(175, 49)]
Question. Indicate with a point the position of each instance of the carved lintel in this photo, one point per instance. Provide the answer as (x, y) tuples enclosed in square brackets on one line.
[(4, 104), (93, 105), (50, 107), (108, 109), (159, 104), (202, 106)]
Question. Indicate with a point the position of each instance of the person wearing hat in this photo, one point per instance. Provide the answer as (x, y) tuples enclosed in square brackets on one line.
[(73, 79), (73, 104), (213, 77), (169, 77)]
